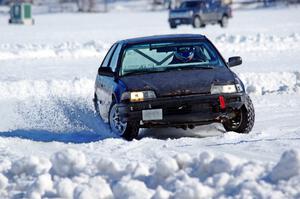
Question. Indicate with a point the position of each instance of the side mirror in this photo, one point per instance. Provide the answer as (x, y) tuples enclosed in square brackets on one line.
[(234, 61), (106, 71)]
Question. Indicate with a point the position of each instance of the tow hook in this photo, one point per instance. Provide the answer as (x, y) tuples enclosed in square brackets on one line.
[(226, 116)]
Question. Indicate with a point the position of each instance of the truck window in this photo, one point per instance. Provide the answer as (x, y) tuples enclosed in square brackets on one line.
[(190, 4)]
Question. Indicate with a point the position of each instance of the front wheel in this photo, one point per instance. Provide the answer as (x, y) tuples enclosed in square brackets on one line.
[(224, 22), (127, 130), (243, 122), (173, 25)]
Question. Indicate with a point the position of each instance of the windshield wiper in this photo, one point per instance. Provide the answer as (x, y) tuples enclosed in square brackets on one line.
[(138, 72), (189, 67), (192, 67)]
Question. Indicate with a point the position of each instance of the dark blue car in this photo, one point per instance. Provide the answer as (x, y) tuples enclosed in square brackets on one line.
[(170, 81)]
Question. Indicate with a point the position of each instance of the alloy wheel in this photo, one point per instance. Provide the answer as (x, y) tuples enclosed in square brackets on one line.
[(115, 122)]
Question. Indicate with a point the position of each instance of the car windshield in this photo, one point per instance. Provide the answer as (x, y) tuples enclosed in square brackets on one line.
[(159, 57), (190, 4)]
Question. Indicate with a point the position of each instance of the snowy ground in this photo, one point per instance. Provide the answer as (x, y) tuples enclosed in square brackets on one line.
[(52, 145)]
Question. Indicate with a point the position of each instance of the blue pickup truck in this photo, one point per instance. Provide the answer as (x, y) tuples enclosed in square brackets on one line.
[(199, 13)]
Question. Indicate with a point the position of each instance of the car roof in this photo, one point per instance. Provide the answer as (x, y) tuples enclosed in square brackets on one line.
[(162, 38)]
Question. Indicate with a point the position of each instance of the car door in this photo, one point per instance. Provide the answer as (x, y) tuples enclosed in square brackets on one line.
[(108, 85), (99, 84), (216, 12), (206, 11)]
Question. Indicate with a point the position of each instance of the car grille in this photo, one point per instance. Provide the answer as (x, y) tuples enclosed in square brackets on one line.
[(183, 109)]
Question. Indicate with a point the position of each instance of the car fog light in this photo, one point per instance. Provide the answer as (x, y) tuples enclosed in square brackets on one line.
[(138, 96)]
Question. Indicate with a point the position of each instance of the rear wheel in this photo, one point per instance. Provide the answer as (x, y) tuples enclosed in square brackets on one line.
[(224, 22), (243, 121), (127, 130), (197, 22)]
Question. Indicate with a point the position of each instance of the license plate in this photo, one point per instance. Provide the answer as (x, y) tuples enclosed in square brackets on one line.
[(177, 21), (153, 114)]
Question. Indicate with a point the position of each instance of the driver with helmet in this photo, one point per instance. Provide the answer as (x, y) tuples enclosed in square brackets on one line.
[(187, 55)]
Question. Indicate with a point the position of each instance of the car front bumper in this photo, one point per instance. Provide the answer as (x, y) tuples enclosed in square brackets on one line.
[(178, 21), (178, 111)]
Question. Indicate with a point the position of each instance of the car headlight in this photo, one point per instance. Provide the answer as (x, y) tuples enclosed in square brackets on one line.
[(138, 96), (219, 89)]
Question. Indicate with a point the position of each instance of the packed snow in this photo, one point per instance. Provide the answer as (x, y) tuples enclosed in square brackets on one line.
[(67, 174), (53, 145)]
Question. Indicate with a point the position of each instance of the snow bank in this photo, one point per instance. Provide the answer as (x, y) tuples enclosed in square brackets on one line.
[(287, 167), (255, 83), (69, 163), (225, 42), (273, 82), (33, 166), (60, 50), (68, 175), (258, 43), (24, 89)]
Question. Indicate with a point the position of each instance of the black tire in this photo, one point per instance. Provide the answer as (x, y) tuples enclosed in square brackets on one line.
[(224, 21), (173, 25), (96, 105), (197, 22), (244, 121), (130, 131)]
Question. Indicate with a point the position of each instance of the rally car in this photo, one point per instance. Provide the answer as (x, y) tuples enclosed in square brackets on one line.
[(176, 80)]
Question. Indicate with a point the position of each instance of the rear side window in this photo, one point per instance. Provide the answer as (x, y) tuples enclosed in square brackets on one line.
[(114, 59), (108, 56)]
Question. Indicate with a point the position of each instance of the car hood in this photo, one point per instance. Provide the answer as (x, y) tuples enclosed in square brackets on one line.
[(182, 82)]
